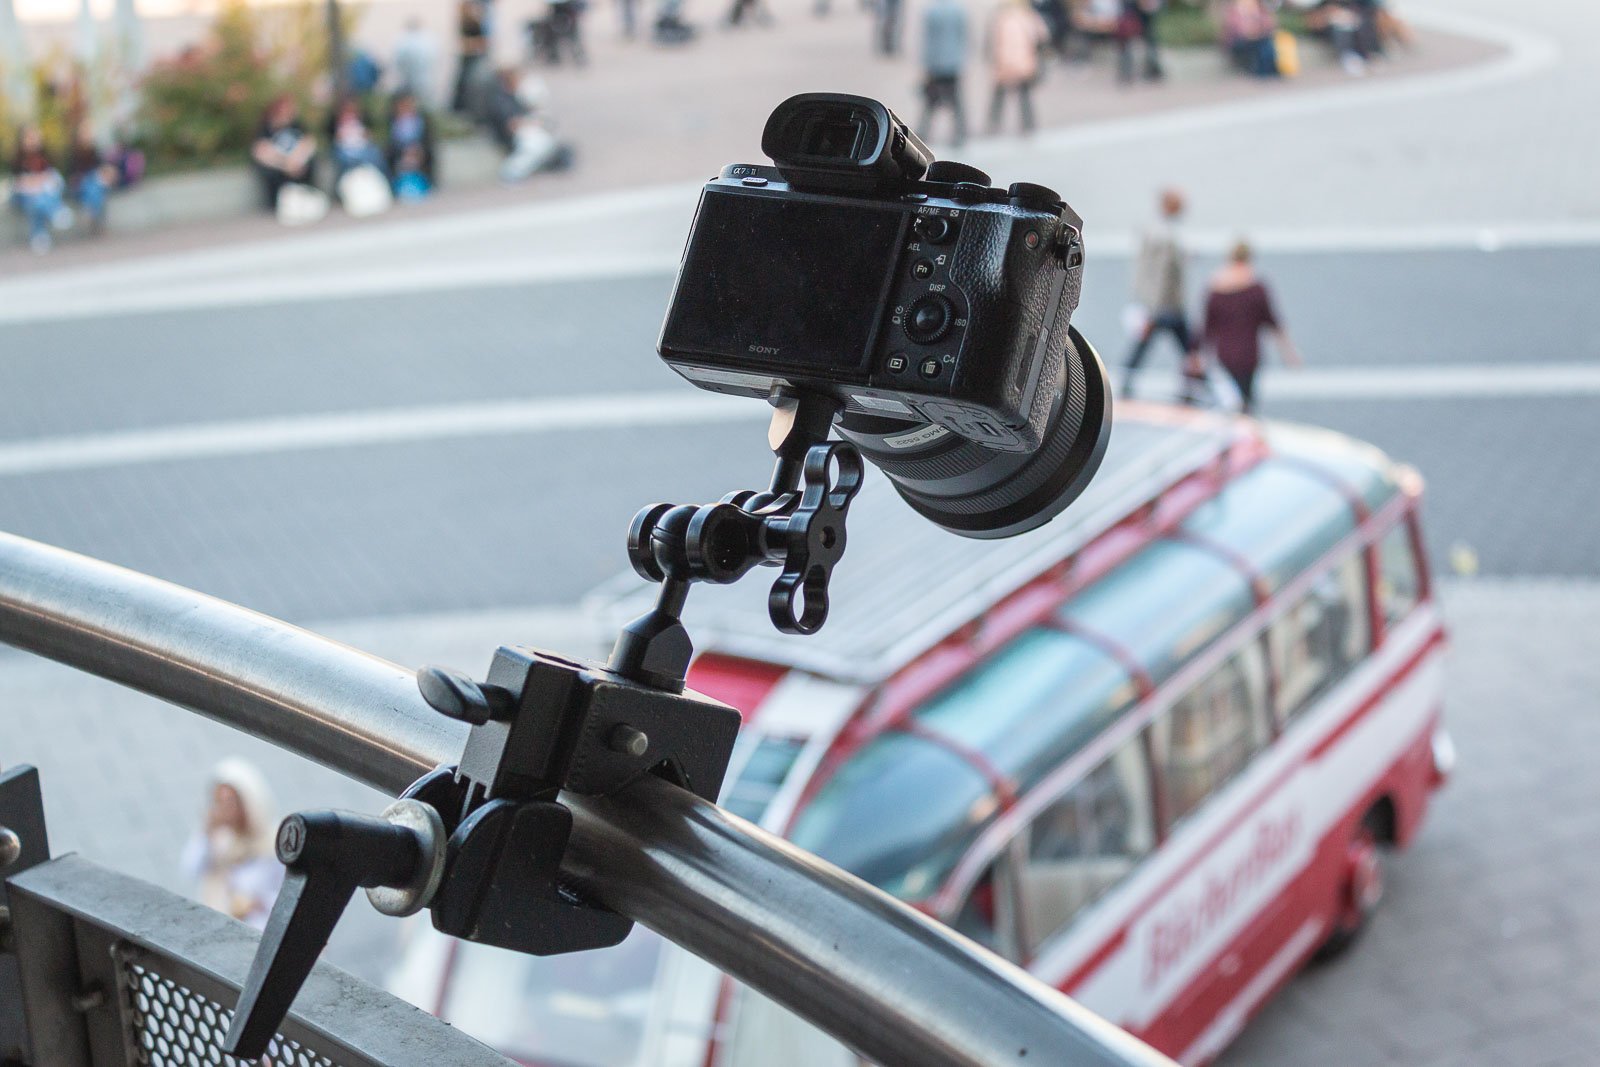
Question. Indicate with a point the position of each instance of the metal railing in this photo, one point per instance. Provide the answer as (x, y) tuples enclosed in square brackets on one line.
[(895, 986)]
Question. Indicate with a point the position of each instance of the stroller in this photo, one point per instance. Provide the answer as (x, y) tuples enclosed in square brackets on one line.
[(557, 32), (670, 28)]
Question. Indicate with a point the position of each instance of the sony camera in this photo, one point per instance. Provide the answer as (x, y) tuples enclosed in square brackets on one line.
[(932, 307)]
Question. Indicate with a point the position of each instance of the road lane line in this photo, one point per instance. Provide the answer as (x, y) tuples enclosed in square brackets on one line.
[(67, 303), (349, 429), (1449, 381), (346, 429)]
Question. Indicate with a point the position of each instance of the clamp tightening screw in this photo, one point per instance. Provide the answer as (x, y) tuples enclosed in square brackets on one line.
[(628, 740)]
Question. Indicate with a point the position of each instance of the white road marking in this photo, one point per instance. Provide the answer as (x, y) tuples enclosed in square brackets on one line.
[(349, 429), (1437, 381), (133, 296), (356, 428)]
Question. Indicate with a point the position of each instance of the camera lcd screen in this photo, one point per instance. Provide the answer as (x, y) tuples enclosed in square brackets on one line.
[(773, 280)]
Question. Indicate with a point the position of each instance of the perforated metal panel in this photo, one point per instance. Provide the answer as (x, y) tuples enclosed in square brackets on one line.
[(172, 1025), (119, 973)]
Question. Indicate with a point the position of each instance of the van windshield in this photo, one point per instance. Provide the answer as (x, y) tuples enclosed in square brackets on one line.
[(585, 1009)]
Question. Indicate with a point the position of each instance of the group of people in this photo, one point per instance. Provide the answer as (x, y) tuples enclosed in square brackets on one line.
[(1238, 309), (52, 197), (366, 167), (1018, 36), (1356, 29)]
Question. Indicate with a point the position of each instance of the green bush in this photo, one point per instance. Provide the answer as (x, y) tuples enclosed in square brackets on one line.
[(1184, 25), (203, 107), (1195, 24)]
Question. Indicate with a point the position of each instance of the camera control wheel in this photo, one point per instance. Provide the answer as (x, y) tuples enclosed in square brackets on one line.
[(929, 319)]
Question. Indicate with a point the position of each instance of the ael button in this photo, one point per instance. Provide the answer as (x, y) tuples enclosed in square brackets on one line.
[(934, 229)]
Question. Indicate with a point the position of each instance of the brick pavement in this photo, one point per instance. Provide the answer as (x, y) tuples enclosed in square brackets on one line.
[(641, 114), (1487, 948)]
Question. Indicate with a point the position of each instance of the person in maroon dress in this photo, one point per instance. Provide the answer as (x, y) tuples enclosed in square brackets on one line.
[(1238, 308)]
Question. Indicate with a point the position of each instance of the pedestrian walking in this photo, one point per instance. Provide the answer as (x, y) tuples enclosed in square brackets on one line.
[(1238, 308), (1137, 22), (754, 9), (1159, 293), (414, 58), (944, 55), (1016, 34), (232, 860), (473, 31), (886, 29)]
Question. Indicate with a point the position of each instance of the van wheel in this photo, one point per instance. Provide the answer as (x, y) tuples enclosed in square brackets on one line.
[(1362, 886)]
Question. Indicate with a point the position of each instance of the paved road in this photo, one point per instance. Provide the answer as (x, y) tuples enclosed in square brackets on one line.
[(508, 520)]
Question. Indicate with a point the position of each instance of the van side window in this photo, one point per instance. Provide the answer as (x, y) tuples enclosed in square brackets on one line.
[(1317, 640), (1210, 734), (1084, 843), (1398, 584)]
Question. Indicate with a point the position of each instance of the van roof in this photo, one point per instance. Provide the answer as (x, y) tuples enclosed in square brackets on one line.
[(923, 582)]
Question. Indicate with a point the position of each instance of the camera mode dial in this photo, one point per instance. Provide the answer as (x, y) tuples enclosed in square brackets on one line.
[(949, 172), (929, 319)]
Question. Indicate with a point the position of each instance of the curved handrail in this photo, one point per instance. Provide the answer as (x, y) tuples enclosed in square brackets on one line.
[(893, 985)]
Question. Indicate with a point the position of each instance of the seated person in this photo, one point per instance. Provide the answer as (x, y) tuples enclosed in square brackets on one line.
[(529, 141), (1345, 23), (36, 190), (1248, 29), (350, 139), (90, 176), (410, 154), (283, 151)]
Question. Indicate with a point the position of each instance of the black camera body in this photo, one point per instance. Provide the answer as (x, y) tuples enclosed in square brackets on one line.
[(904, 290)]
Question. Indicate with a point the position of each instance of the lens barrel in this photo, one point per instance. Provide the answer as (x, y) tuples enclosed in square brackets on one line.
[(979, 492)]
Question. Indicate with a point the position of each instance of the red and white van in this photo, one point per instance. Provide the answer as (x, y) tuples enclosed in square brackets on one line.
[(1155, 751)]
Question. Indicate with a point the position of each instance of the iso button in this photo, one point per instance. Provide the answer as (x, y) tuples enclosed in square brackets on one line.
[(929, 319)]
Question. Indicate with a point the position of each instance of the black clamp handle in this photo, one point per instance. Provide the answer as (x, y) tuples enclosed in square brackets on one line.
[(329, 855)]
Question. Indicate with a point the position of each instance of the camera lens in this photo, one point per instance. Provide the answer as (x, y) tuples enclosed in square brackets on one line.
[(976, 491)]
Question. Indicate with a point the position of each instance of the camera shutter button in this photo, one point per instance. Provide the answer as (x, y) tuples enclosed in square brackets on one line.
[(929, 319)]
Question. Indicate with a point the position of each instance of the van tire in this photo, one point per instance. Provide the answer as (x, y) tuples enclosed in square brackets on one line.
[(1362, 883)]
